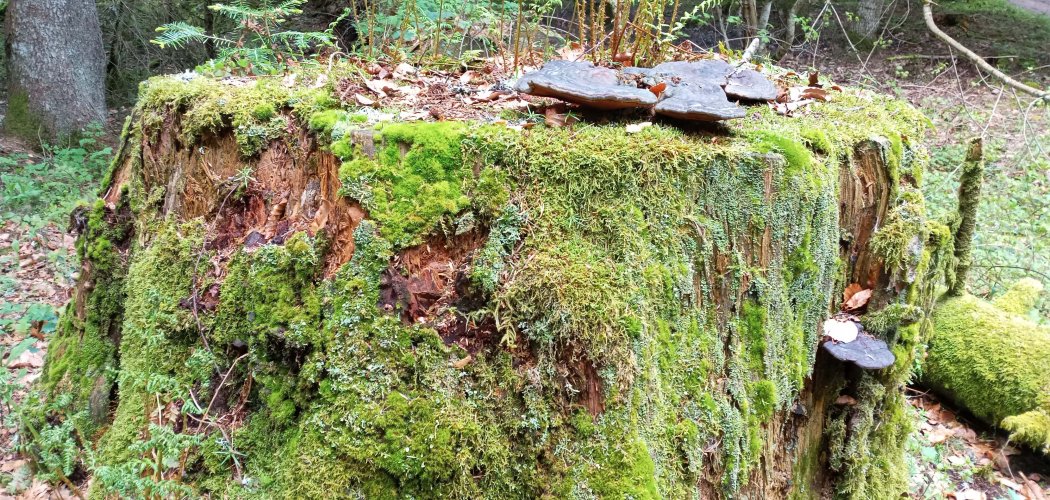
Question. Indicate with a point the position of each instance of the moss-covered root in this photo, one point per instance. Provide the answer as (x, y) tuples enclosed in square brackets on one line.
[(969, 199), (995, 362)]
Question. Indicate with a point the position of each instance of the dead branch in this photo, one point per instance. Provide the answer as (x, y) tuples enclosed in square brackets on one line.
[(927, 14)]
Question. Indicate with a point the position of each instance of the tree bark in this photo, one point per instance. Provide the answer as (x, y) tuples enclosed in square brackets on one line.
[(56, 66), (869, 14)]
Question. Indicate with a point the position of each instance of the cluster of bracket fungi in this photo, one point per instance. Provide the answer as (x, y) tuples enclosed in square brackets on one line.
[(686, 90)]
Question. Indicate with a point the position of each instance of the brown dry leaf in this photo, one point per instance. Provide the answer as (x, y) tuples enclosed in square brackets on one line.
[(658, 88), (28, 360), (553, 118), (850, 291), (938, 434), (815, 93), (381, 87), (857, 301), (364, 101), (814, 79), (459, 365), (467, 77)]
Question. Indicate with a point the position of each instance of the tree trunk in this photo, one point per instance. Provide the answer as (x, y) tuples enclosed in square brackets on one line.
[(442, 310), (869, 17), (56, 67)]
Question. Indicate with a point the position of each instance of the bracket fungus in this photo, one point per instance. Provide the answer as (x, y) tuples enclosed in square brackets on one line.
[(866, 352), (585, 84), (697, 90)]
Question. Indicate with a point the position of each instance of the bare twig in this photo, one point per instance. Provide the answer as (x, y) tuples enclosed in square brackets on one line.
[(927, 14)]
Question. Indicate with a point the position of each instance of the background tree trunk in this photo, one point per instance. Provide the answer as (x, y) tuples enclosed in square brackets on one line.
[(869, 17), (56, 66)]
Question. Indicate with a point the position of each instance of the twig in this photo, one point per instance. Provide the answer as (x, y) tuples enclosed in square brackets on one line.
[(204, 416), (927, 14)]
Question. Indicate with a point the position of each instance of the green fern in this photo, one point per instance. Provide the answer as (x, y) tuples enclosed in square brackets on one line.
[(258, 46)]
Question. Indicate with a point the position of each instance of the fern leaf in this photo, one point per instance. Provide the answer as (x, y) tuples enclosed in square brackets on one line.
[(178, 34)]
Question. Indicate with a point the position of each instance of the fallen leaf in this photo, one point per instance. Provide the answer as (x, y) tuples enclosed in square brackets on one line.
[(841, 330), (968, 494), (463, 362), (381, 87), (404, 70), (1009, 484), (633, 128), (658, 88), (554, 119), (814, 79), (467, 77), (850, 290), (624, 58), (815, 93), (857, 301), (364, 101)]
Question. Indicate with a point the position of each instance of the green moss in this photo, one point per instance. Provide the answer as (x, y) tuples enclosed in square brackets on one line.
[(407, 191), (1030, 428), (753, 326), (19, 120), (992, 361), (637, 315), (1021, 298), (253, 111)]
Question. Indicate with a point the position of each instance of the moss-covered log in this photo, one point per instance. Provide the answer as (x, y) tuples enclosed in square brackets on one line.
[(991, 359), (280, 301)]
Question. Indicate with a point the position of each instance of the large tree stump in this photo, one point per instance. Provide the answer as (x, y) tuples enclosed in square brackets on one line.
[(280, 302)]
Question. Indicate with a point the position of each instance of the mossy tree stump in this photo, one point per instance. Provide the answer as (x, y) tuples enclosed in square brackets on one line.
[(278, 300)]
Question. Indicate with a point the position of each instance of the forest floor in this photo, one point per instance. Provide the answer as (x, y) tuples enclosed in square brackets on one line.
[(949, 455)]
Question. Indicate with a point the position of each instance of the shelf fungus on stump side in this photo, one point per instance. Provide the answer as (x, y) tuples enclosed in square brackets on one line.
[(866, 352), (698, 91)]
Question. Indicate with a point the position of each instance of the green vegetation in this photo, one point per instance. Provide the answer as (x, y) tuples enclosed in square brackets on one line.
[(994, 361), (609, 257)]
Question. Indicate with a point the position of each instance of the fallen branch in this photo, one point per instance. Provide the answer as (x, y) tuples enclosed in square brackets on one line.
[(927, 14)]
